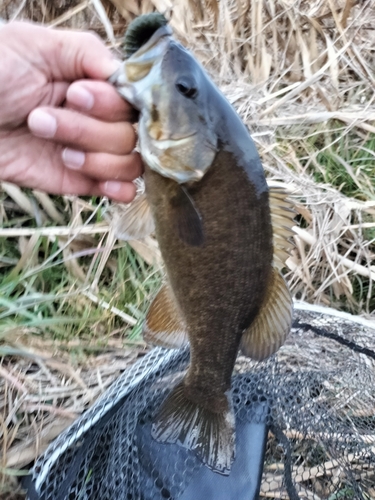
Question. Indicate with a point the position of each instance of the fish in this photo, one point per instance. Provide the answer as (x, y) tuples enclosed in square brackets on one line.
[(223, 233)]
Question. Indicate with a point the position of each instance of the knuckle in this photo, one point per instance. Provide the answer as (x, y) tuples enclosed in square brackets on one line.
[(92, 37), (77, 131), (73, 134)]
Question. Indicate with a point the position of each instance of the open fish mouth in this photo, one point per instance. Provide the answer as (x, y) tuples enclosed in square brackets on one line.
[(142, 67), (180, 158)]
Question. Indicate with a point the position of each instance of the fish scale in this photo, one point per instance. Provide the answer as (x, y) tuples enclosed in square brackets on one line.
[(224, 278)]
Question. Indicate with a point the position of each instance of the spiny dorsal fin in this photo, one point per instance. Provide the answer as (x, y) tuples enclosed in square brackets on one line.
[(210, 434), (271, 327), (163, 325), (282, 216), (133, 221)]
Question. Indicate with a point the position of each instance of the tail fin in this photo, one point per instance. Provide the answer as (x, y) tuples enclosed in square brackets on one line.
[(211, 435)]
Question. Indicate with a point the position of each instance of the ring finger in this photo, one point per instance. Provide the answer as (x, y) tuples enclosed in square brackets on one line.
[(104, 166)]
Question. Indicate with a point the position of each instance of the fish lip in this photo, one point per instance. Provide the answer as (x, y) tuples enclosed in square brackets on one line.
[(152, 51), (173, 143), (115, 77), (165, 144)]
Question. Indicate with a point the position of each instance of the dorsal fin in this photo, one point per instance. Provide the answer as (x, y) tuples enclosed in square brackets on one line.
[(282, 216), (272, 325), (134, 221)]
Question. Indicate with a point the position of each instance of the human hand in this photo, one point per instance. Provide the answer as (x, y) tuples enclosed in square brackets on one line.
[(83, 148)]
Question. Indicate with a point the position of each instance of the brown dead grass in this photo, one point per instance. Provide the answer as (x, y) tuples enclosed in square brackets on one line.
[(286, 66)]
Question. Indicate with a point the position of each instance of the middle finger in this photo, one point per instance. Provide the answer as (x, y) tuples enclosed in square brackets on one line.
[(100, 100), (70, 128)]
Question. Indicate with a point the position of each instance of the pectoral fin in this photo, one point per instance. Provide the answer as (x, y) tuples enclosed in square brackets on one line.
[(270, 328), (164, 326), (282, 216), (186, 218), (133, 221)]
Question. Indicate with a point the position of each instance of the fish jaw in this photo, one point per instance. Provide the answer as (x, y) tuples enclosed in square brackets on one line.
[(138, 73), (183, 160), (137, 93), (176, 139)]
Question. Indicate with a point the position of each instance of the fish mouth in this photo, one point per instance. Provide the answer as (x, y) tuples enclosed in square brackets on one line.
[(165, 144), (139, 65)]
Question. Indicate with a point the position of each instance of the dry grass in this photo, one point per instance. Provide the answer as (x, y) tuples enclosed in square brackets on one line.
[(301, 74)]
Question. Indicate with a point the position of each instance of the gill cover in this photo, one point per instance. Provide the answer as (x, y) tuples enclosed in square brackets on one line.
[(165, 83)]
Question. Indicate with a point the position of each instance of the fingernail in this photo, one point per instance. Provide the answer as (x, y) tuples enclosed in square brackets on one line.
[(80, 97), (112, 187), (42, 124), (112, 66), (73, 159)]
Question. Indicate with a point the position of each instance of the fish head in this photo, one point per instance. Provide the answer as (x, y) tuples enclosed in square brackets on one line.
[(172, 93)]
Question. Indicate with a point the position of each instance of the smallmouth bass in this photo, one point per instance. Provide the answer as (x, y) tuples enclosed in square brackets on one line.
[(222, 232)]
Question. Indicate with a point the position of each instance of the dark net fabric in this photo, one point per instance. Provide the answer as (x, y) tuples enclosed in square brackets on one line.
[(305, 428)]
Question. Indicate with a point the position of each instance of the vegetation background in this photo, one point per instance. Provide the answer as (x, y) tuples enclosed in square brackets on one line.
[(72, 297)]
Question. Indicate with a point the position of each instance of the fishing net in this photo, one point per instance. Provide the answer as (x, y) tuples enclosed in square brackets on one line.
[(305, 427)]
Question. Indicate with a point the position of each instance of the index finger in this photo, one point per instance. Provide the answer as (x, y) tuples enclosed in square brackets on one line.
[(62, 55), (100, 100)]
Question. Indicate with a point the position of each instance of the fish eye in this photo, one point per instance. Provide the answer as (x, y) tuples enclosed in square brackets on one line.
[(187, 87)]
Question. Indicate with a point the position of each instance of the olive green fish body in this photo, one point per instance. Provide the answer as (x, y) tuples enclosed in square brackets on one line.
[(219, 286), (207, 194)]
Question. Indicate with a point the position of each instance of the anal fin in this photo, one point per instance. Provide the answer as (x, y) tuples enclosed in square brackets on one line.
[(272, 325), (211, 435), (164, 325)]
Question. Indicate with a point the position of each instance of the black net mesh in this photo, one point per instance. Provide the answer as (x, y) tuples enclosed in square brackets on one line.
[(305, 428)]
